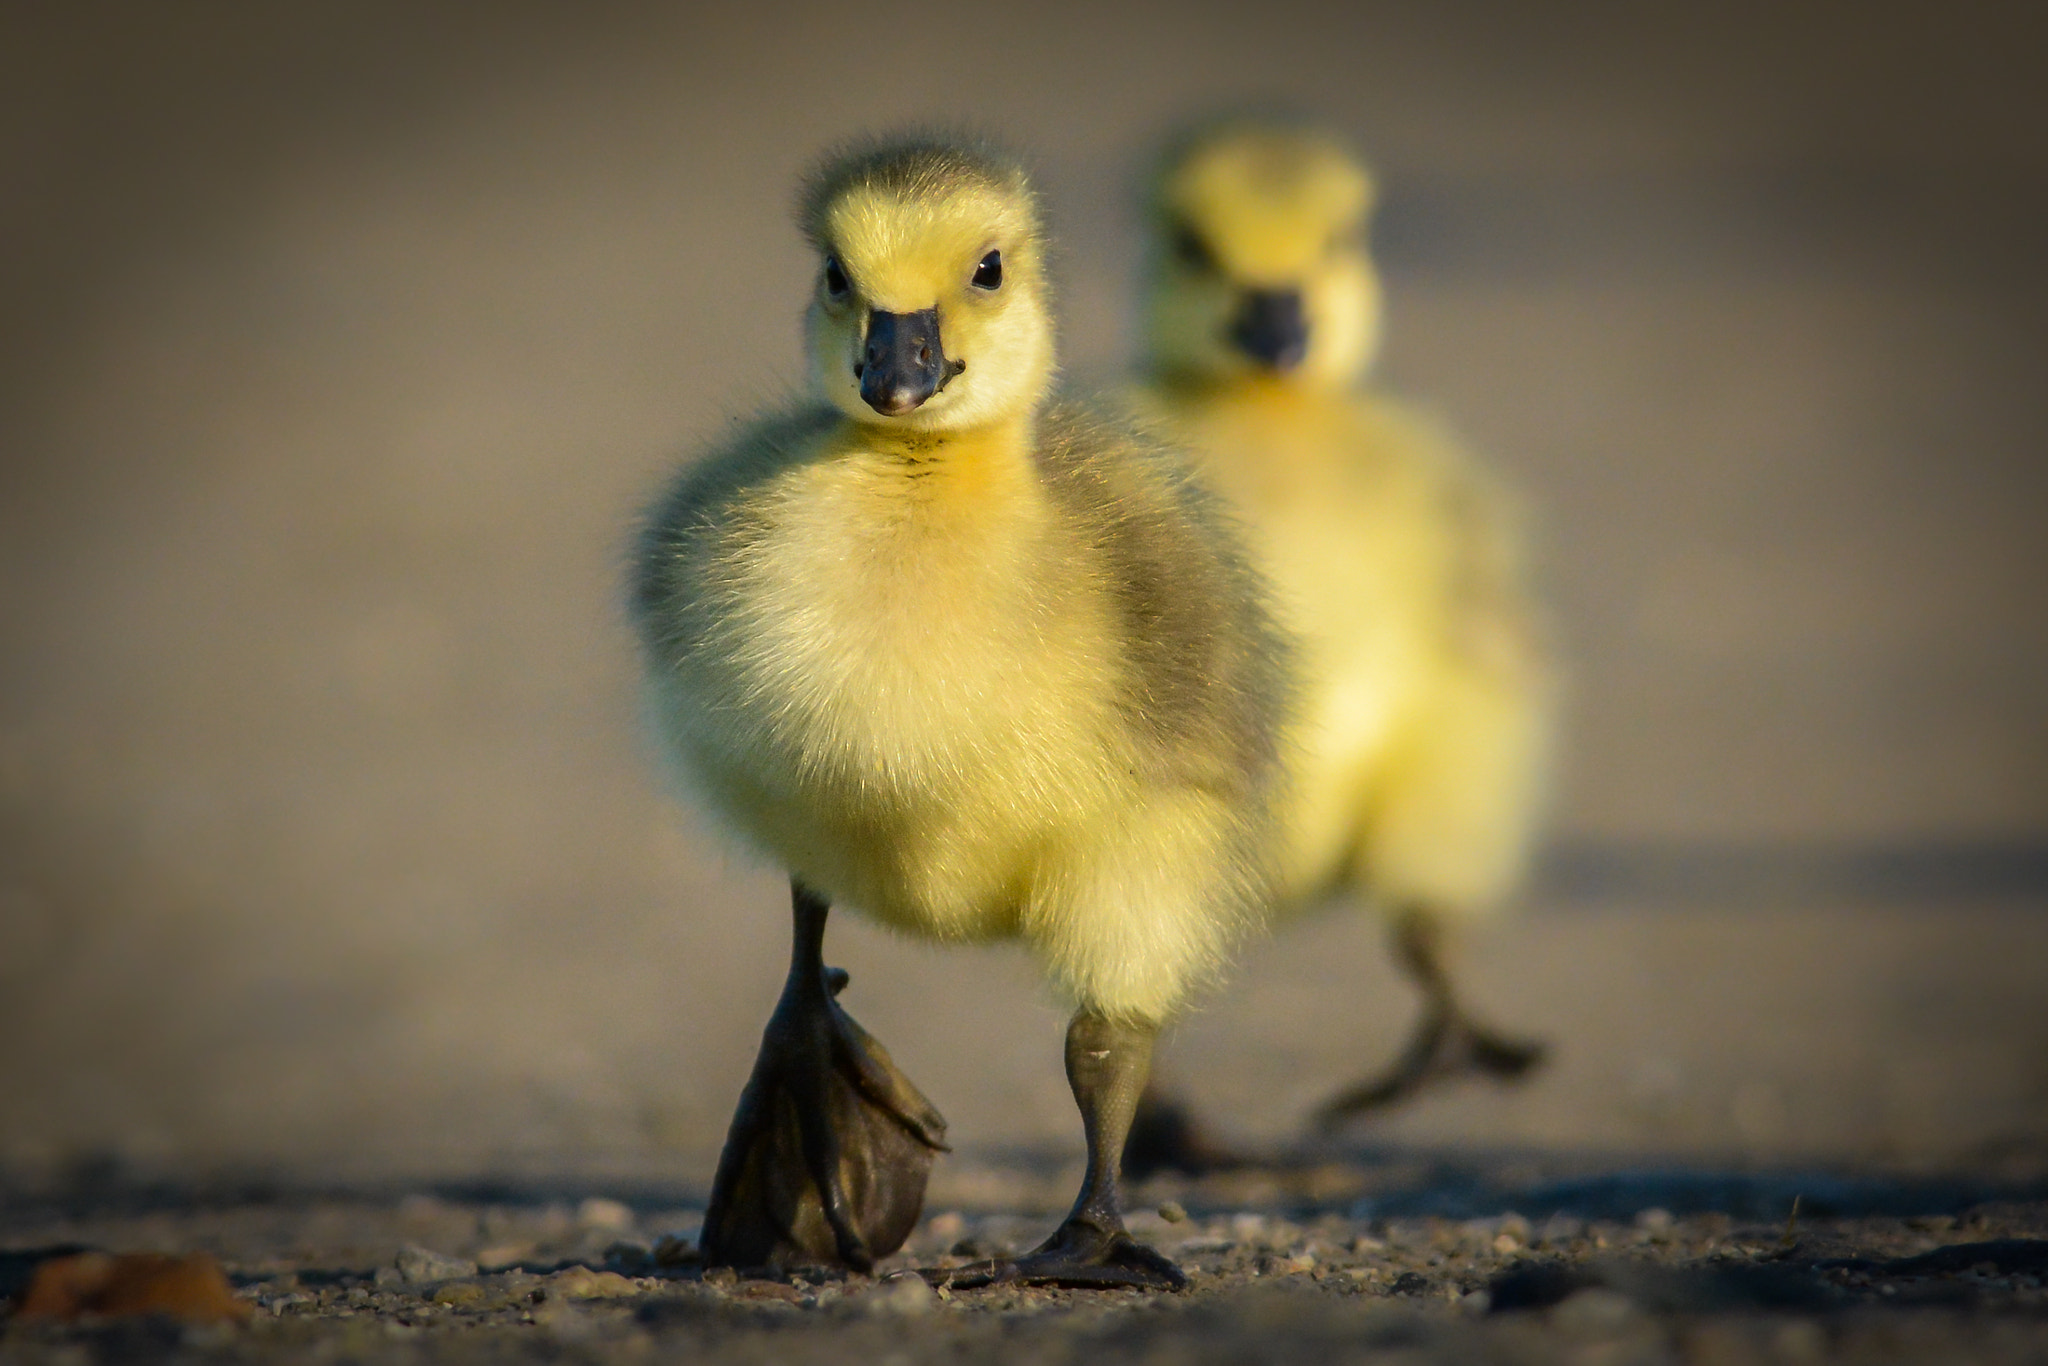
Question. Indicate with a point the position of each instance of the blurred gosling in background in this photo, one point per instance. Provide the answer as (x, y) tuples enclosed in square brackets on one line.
[(980, 666), (1427, 707)]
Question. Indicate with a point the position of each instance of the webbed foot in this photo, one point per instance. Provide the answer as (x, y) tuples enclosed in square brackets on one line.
[(1446, 1046), (826, 1160), (1107, 1062), (1079, 1256), (1497, 1055)]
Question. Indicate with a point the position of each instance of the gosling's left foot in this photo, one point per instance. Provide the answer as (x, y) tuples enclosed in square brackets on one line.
[(1497, 1055), (1078, 1256), (1444, 1048)]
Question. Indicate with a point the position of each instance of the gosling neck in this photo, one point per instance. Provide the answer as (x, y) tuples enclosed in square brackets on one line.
[(1005, 438)]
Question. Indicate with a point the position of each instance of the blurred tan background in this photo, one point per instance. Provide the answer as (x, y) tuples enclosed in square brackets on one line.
[(339, 343)]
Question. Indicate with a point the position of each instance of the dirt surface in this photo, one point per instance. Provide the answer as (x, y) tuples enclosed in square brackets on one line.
[(1386, 1256), (342, 341), (1375, 1256)]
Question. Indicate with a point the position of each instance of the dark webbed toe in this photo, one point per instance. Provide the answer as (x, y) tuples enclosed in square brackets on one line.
[(1107, 1062), (826, 1160), (1442, 1050), (1079, 1256), (1500, 1056), (1446, 1044)]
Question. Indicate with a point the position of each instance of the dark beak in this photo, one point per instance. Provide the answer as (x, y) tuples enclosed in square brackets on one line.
[(904, 364), (1271, 329)]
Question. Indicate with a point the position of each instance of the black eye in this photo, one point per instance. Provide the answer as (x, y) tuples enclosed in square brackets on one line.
[(1190, 249), (989, 274), (835, 278)]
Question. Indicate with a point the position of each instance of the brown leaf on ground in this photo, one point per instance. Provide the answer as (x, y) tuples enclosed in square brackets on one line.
[(192, 1288)]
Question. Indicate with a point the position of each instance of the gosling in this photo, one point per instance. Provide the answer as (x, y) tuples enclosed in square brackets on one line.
[(1426, 714), (977, 663)]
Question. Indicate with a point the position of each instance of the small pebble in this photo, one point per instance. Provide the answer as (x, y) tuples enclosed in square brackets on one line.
[(904, 1293), (423, 1266), (581, 1283)]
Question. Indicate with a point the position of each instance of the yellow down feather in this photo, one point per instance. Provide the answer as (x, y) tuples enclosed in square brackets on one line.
[(1427, 705), (990, 670)]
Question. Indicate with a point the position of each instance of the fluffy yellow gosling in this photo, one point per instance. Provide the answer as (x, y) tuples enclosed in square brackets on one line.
[(981, 665), (1427, 708)]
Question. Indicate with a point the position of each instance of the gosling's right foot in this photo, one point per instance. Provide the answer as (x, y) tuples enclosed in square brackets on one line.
[(826, 1160)]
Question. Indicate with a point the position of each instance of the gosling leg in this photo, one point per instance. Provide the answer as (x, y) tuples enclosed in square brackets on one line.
[(1107, 1063), (826, 1125), (1446, 1043)]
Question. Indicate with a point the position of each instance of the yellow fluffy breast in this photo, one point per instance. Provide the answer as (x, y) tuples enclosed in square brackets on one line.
[(904, 703)]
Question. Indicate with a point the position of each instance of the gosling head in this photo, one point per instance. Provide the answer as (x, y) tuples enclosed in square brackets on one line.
[(1258, 260), (930, 307)]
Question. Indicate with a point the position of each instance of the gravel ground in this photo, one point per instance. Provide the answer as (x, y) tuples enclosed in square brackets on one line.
[(1383, 1257)]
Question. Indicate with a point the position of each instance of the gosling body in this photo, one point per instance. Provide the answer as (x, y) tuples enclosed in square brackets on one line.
[(1428, 691), (976, 664), (1002, 683), (1424, 724)]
